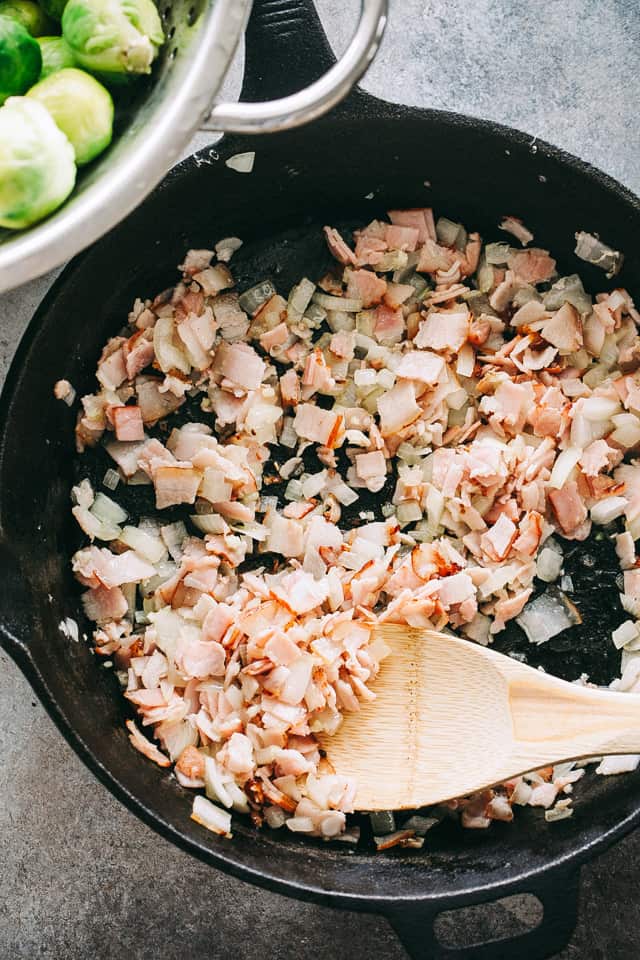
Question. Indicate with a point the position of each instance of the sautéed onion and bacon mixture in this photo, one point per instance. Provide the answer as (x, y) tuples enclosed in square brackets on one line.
[(483, 404)]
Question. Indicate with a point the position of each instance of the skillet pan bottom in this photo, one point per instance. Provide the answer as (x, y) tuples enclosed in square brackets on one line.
[(477, 172)]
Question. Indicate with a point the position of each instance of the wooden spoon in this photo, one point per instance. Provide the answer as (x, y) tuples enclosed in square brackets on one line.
[(451, 717)]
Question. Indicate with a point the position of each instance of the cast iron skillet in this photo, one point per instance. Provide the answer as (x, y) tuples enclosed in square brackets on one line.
[(365, 157)]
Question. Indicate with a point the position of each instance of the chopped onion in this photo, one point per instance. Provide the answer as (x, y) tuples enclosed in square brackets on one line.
[(107, 510), (548, 565), (111, 479), (213, 818), (608, 509), (252, 299), (563, 467), (241, 162), (592, 250), (547, 616), (337, 303), (626, 633), (497, 253)]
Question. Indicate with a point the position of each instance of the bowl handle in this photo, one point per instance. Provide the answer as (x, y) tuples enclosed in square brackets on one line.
[(285, 37), (558, 894)]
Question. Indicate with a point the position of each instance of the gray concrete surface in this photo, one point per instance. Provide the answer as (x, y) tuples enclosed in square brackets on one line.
[(79, 875)]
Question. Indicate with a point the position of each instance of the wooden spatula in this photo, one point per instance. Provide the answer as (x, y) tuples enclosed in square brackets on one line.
[(451, 717)]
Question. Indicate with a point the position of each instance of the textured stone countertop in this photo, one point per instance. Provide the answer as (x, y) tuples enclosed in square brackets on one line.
[(80, 875)]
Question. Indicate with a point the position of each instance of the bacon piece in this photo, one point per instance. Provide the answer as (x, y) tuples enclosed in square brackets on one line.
[(568, 507), (420, 218), (340, 250), (443, 331), (144, 746), (241, 364), (128, 423), (366, 286)]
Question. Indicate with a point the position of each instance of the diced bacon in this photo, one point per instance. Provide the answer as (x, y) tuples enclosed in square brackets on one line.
[(281, 649), (532, 266), (564, 329), (432, 257), (213, 280), (102, 604), (530, 533), (154, 405), (138, 353), (201, 658), (128, 423), (112, 371), (516, 228), (191, 763), (421, 365), (300, 593), (371, 465), (389, 324), (291, 763), (365, 285), (402, 238), (241, 364), (342, 344), (443, 331), (568, 507), (419, 218), (217, 622), (175, 484), (144, 746), (320, 426), (286, 537), (98, 566), (369, 250), (290, 389), (598, 456), (398, 408), (195, 261), (455, 589), (632, 583), (508, 609), (274, 338), (339, 249), (497, 541)]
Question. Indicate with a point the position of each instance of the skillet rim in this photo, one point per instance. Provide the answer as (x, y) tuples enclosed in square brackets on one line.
[(363, 107)]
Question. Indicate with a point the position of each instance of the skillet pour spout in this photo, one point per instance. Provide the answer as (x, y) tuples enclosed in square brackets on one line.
[(365, 157)]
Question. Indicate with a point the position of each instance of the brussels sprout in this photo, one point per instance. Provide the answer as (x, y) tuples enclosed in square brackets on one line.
[(29, 14), (56, 55), (37, 172), (20, 58), (53, 8), (113, 37), (81, 107)]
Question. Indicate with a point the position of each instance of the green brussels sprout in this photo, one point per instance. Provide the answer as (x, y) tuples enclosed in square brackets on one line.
[(81, 107), (53, 8), (29, 14), (20, 58), (113, 37), (56, 55), (37, 171)]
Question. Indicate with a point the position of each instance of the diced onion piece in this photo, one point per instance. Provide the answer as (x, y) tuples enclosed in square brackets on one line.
[(241, 162), (151, 548), (345, 304), (547, 616), (563, 467), (592, 250), (624, 634), (213, 818), (107, 510), (608, 509), (548, 565)]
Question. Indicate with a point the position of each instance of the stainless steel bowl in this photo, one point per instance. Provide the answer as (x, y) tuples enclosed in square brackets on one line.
[(168, 108)]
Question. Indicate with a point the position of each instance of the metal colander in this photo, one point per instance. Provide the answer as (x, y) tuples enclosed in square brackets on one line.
[(163, 112)]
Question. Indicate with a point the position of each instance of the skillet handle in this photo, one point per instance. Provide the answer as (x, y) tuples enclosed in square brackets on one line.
[(286, 47), (559, 896), (15, 611)]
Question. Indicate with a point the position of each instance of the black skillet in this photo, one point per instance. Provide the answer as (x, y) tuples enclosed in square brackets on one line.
[(365, 157)]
